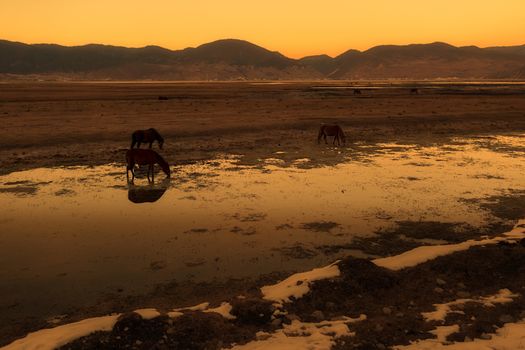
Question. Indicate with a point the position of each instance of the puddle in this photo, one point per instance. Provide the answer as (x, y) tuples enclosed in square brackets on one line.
[(69, 235)]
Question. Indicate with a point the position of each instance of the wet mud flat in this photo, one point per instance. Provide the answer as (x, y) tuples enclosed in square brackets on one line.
[(384, 199), (441, 167)]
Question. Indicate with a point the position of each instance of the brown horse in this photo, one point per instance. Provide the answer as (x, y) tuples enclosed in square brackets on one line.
[(331, 130), (146, 136), (145, 157)]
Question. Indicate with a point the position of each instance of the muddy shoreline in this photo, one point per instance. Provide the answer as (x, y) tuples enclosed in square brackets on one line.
[(90, 124)]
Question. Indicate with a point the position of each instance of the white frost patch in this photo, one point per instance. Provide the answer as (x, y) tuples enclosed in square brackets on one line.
[(298, 284), (442, 310), (273, 161), (147, 314), (509, 337), (503, 296), (51, 338), (224, 310), (442, 332), (300, 336), (175, 314), (420, 255), (199, 307)]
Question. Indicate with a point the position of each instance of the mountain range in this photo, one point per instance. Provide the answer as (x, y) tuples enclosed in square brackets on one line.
[(233, 59)]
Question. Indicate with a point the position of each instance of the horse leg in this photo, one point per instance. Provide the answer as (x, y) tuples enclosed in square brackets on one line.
[(325, 142), (138, 144), (152, 172), (150, 144), (133, 143), (132, 173)]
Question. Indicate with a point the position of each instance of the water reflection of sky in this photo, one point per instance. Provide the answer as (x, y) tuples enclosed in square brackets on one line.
[(71, 233)]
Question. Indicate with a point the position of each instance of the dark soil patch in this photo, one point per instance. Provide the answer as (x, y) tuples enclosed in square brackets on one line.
[(193, 330), (407, 235), (298, 252), (450, 232), (197, 230), (320, 226), (20, 190), (64, 192), (508, 207), (250, 217), (380, 245)]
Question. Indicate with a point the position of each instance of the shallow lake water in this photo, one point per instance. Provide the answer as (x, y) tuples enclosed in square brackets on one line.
[(69, 235)]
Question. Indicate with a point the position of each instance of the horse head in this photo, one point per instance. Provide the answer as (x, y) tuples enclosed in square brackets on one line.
[(166, 168)]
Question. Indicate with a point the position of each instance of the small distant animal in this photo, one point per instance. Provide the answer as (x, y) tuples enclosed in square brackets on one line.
[(146, 136), (414, 91), (145, 157), (357, 92), (331, 130), (163, 98)]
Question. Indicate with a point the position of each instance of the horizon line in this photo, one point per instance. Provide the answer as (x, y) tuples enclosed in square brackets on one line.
[(244, 40)]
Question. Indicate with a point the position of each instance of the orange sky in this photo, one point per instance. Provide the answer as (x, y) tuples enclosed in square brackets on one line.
[(295, 28)]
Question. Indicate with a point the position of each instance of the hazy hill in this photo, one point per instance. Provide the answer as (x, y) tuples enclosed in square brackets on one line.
[(237, 59), (236, 52), (436, 60)]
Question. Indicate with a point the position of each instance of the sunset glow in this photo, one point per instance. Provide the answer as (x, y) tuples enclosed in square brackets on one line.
[(295, 28)]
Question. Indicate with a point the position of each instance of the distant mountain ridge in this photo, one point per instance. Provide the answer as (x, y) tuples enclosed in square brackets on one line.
[(232, 59)]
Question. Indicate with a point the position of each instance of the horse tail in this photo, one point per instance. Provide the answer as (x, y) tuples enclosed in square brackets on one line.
[(163, 164), (134, 139), (321, 132)]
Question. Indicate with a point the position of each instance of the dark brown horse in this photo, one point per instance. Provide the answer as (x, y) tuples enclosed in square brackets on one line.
[(145, 157), (331, 130), (147, 136)]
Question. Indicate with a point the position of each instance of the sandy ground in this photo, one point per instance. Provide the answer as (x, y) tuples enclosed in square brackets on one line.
[(91, 123), (53, 124)]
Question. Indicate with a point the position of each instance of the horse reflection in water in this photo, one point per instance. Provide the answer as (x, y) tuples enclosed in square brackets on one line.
[(147, 194)]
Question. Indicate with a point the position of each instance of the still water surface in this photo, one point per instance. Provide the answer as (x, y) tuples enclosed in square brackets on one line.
[(68, 235)]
